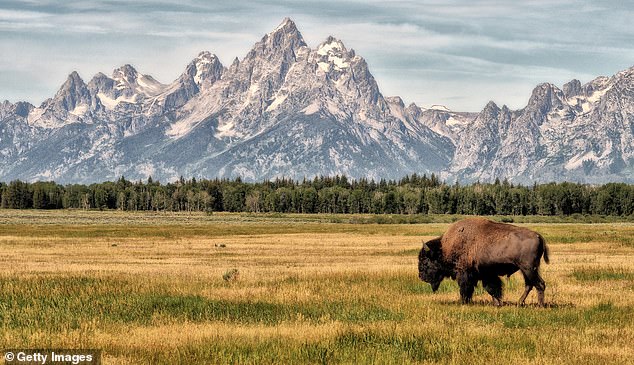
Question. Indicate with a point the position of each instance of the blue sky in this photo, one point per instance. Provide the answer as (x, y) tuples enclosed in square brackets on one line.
[(459, 53)]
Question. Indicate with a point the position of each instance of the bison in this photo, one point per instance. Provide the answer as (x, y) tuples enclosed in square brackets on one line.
[(479, 249)]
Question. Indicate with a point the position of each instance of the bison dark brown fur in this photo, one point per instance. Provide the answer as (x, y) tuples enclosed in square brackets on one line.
[(479, 249)]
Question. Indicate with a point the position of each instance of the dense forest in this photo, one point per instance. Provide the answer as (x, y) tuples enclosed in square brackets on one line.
[(411, 195)]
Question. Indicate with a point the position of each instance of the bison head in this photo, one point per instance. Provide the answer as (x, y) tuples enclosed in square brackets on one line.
[(430, 264)]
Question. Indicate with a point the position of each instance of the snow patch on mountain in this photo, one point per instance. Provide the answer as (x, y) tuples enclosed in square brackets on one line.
[(439, 107), (313, 108), (335, 53), (452, 121), (577, 161), (226, 130), (591, 100), (80, 110), (276, 102)]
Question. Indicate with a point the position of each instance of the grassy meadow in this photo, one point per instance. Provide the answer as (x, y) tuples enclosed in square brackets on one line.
[(160, 288)]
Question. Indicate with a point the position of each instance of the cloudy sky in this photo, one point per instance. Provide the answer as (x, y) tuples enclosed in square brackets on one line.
[(458, 53)]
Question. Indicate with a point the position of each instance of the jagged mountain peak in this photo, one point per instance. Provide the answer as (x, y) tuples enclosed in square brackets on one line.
[(491, 107), (125, 73), (130, 83), (100, 83), (414, 109), (544, 98), (348, 73), (572, 88), (330, 44), (235, 63), (489, 115), (206, 56), (23, 108), (20, 108), (5, 108), (71, 94), (205, 69), (199, 75), (74, 77), (287, 26), (273, 54), (253, 81), (334, 47), (98, 76), (544, 87), (72, 81), (284, 37)]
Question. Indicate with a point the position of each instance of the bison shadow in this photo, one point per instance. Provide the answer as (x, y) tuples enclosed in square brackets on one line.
[(488, 303)]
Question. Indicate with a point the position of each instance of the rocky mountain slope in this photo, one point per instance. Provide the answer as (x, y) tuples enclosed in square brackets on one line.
[(286, 109)]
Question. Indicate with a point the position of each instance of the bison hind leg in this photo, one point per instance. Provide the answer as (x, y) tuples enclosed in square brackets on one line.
[(493, 286), (526, 291), (540, 286), (532, 279)]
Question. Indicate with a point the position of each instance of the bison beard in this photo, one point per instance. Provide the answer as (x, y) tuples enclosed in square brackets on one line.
[(479, 249)]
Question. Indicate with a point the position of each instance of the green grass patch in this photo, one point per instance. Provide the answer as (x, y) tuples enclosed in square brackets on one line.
[(617, 234), (602, 274), (602, 314), (410, 253), (367, 346), (59, 303), (350, 347), (374, 286), (570, 238)]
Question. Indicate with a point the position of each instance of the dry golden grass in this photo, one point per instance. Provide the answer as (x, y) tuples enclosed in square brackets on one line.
[(149, 288)]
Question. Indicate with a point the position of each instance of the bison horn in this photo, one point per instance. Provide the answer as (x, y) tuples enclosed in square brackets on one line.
[(425, 247)]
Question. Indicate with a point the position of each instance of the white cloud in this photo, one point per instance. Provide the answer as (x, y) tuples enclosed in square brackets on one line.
[(418, 49), (13, 15)]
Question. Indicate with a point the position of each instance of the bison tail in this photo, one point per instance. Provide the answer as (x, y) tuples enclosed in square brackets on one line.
[(542, 242)]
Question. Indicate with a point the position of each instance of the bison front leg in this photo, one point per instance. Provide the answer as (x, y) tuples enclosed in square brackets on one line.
[(467, 283), (493, 286)]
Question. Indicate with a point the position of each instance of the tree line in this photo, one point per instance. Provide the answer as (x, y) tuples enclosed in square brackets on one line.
[(412, 194)]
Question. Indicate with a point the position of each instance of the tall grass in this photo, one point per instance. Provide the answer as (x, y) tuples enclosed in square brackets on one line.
[(152, 291), (603, 273)]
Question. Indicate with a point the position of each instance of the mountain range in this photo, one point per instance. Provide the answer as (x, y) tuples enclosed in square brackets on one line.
[(290, 110)]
